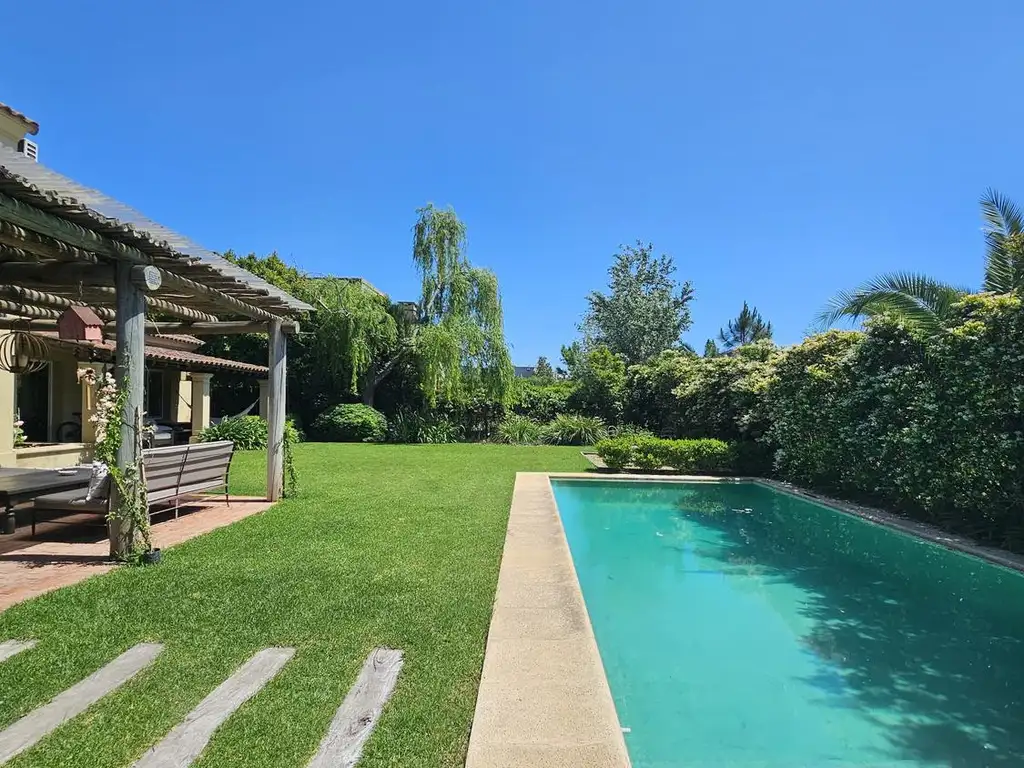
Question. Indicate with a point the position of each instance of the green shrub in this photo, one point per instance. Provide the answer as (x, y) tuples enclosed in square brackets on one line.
[(408, 426), (351, 423), (574, 429), (541, 401), (629, 430), (698, 456), (684, 456), (519, 430), (248, 433)]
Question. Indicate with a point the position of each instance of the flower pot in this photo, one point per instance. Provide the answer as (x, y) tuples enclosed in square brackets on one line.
[(152, 557)]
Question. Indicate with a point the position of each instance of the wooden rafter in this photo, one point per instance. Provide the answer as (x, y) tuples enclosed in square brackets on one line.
[(46, 227)]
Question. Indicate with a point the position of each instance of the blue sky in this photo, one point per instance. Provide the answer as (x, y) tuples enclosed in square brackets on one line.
[(779, 151)]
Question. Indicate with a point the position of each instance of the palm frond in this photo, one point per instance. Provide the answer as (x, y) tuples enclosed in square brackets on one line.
[(920, 301), (1004, 223)]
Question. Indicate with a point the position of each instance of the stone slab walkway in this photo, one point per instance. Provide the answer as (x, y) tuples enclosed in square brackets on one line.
[(31, 567), (544, 698)]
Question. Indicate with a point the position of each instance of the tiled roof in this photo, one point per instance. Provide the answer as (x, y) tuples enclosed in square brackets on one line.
[(33, 126), (190, 361), (40, 187)]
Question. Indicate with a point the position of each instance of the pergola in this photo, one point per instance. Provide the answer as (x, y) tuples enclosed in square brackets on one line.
[(63, 244)]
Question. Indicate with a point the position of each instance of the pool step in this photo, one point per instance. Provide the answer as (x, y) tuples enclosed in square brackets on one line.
[(188, 739), (358, 714), (18, 737), (10, 648)]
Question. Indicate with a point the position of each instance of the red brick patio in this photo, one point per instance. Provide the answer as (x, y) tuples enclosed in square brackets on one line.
[(60, 555)]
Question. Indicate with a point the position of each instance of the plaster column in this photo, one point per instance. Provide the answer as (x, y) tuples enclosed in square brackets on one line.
[(181, 405), (200, 402), (7, 417), (89, 402)]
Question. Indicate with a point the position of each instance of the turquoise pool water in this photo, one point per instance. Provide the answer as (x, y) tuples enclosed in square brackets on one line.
[(744, 627)]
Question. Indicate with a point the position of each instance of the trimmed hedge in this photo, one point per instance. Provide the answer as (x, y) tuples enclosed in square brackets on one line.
[(351, 423), (703, 456)]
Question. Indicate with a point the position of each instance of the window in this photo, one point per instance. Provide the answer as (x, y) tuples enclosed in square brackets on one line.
[(32, 403), (155, 394)]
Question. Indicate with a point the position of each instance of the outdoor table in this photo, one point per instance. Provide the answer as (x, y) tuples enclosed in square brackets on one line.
[(21, 485)]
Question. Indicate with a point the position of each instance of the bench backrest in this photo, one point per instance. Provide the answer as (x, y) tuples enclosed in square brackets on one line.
[(163, 467), (175, 467), (206, 464)]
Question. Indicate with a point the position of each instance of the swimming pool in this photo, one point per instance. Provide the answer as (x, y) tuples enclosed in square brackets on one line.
[(743, 626)]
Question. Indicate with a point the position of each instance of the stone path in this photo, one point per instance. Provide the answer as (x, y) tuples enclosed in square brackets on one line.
[(29, 567), (341, 747), (188, 739), (358, 714), (9, 648), (36, 724)]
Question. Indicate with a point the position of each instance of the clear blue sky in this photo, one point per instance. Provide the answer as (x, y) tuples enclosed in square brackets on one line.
[(779, 151)]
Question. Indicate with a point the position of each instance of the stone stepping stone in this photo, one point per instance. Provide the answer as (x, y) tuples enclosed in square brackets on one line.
[(358, 714), (188, 739), (10, 648), (75, 700)]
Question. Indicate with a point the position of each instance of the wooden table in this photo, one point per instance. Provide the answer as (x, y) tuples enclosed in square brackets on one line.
[(21, 485)]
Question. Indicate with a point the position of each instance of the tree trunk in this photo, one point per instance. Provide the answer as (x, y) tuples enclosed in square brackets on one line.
[(371, 383)]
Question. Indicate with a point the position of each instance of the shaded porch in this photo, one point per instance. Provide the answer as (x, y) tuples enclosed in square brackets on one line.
[(69, 554), (67, 248)]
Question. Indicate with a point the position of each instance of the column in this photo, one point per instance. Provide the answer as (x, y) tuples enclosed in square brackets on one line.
[(200, 402), (265, 398), (275, 421), (129, 372), (181, 392), (7, 455), (88, 401)]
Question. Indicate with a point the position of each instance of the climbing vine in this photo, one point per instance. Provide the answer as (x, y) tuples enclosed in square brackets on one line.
[(129, 507)]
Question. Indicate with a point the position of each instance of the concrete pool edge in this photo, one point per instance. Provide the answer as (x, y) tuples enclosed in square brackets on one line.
[(544, 697)]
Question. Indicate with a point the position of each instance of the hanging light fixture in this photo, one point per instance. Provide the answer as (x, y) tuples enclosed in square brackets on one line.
[(22, 352)]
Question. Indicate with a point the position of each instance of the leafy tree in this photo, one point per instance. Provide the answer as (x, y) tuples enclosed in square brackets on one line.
[(543, 371), (747, 328), (924, 304), (456, 330), (645, 310), (711, 349), (600, 385), (572, 354)]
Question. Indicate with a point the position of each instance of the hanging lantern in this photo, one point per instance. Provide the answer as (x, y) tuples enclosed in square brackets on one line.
[(22, 352)]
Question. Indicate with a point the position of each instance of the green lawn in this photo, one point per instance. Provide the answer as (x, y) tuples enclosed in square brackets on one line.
[(386, 545)]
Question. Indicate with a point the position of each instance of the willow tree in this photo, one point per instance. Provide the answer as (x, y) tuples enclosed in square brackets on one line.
[(455, 332)]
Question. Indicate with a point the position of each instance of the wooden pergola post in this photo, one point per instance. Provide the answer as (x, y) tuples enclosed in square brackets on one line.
[(276, 410), (129, 373)]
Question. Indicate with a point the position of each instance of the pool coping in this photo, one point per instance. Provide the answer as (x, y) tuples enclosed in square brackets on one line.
[(544, 697)]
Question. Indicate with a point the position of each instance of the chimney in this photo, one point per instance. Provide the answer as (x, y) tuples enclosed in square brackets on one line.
[(80, 324), (14, 129)]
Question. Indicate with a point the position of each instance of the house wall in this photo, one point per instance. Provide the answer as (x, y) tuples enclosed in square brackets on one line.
[(53, 456), (11, 130)]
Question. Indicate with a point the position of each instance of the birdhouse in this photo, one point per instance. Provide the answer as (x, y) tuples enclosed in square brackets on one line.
[(80, 324)]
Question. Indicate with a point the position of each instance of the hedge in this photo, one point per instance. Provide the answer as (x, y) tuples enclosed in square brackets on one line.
[(931, 427), (648, 453)]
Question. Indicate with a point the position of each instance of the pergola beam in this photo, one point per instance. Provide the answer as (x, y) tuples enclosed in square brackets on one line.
[(39, 221), (220, 328), (92, 284)]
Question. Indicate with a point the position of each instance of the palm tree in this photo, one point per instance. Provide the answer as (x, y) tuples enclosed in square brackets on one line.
[(923, 302)]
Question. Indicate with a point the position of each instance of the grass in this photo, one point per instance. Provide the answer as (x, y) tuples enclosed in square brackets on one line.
[(386, 545)]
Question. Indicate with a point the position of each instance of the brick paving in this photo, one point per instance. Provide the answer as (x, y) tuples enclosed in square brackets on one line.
[(60, 555)]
